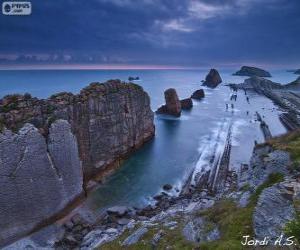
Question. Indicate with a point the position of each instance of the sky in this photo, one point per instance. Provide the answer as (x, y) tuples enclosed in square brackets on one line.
[(149, 33)]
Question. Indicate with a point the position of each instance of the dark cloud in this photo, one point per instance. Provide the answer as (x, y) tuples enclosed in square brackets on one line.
[(189, 32)]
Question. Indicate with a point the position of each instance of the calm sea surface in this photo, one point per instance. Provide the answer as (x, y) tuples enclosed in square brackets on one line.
[(181, 144)]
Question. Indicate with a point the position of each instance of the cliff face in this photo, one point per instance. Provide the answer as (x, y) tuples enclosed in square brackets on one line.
[(38, 177), (49, 149)]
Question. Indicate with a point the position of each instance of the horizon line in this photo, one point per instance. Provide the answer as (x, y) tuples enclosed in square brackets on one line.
[(134, 66)]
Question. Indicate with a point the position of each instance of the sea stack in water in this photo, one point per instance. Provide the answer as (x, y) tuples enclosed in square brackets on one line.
[(172, 106), (213, 79), (186, 103), (198, 94), (252, 71)]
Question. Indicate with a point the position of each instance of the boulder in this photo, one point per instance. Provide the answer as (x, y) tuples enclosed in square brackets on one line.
[(118, 210), (213, 79), (186, 103), (273, 210), (172, 106), (199, 230), (297, 72), (167, 187), (198, 94), (135, 236), (252, 71), (38, 176)]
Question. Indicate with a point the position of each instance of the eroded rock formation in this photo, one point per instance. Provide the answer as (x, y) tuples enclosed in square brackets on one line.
[(252, 71), (172, 106), (198, 94), (213, 79), (50, 149)]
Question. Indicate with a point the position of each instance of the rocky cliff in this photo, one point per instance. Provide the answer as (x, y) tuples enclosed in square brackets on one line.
[(252, 71), (50, 149)]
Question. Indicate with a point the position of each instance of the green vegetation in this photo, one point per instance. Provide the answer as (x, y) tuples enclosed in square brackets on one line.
[(292, 228), (170, 238), (289, 142), (233, 223)]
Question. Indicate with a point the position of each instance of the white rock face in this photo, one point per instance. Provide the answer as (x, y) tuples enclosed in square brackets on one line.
[(38, 176)]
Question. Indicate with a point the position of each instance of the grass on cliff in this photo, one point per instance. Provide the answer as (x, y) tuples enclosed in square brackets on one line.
[(292, 228), (171, 239), (235, 222), (289, 142)]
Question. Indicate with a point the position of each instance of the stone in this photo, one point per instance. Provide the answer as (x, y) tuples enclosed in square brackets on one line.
[(198, 94), (172, 106), (96, 238), (123, 221), (135, 236), (60, 140), (167, 187), (252, 71), (244, 199), (199, 230), (47, 175), (213, 79), (186, 103), (156, 238), (118, 210), (272, 212)]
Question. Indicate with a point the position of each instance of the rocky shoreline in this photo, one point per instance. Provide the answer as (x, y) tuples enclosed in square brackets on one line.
[(214, 208), (53, 151)]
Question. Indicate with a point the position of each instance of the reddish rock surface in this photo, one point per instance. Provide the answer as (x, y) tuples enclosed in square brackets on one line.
[(198, 94), (213, 79)]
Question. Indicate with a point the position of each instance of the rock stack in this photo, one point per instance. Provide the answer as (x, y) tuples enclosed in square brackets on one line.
[(213, 79), (172, 106), (198, 94)]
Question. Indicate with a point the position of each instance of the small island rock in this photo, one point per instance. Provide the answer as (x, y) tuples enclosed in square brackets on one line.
[(172, 106), (186, 103), (213, 79), (198, 94), (252, 71)]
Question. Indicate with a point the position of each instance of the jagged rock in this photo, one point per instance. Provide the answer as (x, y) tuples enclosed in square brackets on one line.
[(263, 162), (38, 177), (172, 106), (91, 115), (134, 237), (295, 85), (96, 238), (167, 187), (118, 210), (213, 79), (62, 139), (197, 231), (156, 238), (198, 94), (272, 212), (186, 103), (252, 71), (123, 221), (244, 199)]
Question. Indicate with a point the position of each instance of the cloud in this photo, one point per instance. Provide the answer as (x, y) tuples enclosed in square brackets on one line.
[(173, 25), (202, 10)]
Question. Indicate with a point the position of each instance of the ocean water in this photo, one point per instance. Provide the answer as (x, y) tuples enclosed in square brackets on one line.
[(181, 145)]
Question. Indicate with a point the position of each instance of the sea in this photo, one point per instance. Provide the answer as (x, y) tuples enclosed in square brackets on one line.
[(181, 145)]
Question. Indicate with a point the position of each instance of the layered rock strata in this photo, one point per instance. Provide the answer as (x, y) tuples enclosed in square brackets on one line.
[(50, 149), (172, 106)]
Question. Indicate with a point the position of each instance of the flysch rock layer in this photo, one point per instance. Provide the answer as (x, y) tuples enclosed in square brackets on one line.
[(50, 149), (38, 177)]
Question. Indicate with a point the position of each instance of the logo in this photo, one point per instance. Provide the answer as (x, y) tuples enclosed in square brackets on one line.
[(16, 8)]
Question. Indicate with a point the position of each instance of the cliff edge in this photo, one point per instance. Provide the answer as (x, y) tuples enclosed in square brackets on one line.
[(50, 149)]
